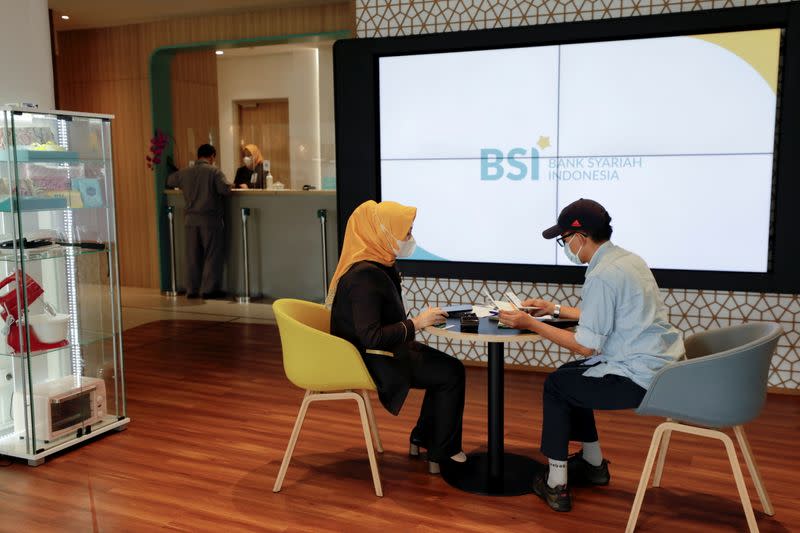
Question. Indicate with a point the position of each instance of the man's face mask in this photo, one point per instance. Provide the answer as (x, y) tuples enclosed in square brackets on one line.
[(573, 256)]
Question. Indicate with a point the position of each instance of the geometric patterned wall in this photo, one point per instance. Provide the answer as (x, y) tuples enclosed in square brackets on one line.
[(689, 310), (390, 18)]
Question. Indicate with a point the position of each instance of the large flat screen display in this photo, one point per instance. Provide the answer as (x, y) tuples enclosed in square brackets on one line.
[(674, 136)]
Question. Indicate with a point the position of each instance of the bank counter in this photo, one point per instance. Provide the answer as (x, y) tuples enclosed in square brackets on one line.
[(284, 241)]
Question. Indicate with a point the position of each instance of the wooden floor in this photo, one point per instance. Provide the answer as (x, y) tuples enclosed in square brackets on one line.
[(212, 411)]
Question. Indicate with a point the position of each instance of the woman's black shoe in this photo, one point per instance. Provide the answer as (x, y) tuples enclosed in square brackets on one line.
[(451, 463), (558, 498), (415, 444), (413, 451)]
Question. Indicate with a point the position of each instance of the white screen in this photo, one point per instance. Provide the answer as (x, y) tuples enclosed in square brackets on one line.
[(674, 136)]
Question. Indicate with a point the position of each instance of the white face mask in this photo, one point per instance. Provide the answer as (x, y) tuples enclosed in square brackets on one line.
[(401, 248), (248, 161), (573, 257), (406, 248)]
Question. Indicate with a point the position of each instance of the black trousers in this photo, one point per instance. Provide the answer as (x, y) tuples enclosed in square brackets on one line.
[(205, 257), (419, 366), (568, 403)]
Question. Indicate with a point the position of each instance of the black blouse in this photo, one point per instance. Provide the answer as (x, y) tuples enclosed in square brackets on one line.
[(368, 308), (244, 175)]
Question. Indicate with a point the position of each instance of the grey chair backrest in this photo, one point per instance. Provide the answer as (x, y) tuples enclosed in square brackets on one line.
[(722, 383)]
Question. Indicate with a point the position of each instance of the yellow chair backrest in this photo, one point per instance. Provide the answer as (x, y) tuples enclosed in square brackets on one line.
[(313, 359)]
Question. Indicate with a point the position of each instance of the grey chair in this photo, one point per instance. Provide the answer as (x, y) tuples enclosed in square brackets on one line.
[(721, 384)]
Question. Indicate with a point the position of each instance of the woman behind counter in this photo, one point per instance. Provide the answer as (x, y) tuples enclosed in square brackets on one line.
[(367, 310), (251, 174)]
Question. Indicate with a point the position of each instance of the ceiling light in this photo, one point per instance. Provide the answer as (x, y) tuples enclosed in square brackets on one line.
[(219, 52), (64, 17)]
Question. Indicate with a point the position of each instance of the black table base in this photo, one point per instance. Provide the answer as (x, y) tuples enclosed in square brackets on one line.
[(494, 472), (515, 479)]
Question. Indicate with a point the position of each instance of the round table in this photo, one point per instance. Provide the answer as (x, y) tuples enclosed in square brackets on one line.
[(494, 472)]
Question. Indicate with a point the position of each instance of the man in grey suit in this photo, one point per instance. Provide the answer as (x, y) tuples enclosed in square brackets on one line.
[(204, 187)]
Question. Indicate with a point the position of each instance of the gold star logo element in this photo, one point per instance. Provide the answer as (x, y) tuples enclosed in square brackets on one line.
[(544, 142)]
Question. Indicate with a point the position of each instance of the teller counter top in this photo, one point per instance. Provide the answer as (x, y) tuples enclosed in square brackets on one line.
[(269, 192)]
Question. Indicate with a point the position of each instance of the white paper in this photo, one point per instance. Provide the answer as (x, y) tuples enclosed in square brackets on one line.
[(505, 306), (499, 304), (513, 298), (481, 311)]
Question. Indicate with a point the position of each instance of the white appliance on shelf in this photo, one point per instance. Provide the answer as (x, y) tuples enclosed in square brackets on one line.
[(62, 406)]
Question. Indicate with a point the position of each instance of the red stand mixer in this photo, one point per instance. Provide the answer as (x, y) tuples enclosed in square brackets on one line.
[(9, 312)]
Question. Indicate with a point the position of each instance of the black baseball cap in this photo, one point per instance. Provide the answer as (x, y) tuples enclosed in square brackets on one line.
[(581, 215)]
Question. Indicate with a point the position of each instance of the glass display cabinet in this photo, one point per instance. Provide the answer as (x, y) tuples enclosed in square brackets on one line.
[(61, 366)]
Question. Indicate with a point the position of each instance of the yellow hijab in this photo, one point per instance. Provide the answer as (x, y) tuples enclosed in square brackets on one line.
[(371, 235), (255, 153)]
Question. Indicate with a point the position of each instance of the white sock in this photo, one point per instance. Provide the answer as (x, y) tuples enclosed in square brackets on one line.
[(592, 453), (558, 473)]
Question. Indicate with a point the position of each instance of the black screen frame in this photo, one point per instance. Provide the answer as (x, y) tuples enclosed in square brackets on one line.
[(358, 141)]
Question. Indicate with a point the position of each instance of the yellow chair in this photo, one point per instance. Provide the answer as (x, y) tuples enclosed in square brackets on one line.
[(328, 368)]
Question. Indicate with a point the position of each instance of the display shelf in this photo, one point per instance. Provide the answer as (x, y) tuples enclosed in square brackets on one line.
[(54, 392), (48, 253), (30, 204), (43, 156), (15, 444), (86, 338), (11, 439)]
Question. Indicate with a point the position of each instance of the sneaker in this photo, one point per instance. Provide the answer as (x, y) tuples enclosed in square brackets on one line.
[(557, 498), (581, 473)]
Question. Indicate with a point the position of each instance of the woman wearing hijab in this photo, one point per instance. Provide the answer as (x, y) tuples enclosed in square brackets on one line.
[(367, 310), (251, 174)]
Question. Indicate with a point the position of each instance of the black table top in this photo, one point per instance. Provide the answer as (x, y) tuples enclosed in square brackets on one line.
[(488, 331)]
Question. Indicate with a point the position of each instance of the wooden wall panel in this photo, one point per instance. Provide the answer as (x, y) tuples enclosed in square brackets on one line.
[(195, 107), (267, 126), (106, 71)]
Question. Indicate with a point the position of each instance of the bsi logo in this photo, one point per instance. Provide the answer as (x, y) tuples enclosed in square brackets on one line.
[(518, 164)]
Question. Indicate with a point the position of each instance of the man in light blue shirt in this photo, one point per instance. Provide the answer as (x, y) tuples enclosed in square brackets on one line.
[(623, 330)]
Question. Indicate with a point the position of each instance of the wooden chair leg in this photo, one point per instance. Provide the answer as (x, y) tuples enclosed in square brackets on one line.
[(373, 463), (744, 444), (373, 425), (703, 432), (662, 457), (737, 475), (287, 457), (645, 478)]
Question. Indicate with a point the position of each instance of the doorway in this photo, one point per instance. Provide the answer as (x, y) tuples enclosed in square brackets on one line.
[(265, 123)]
